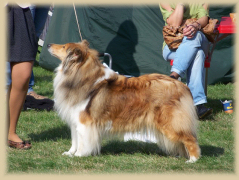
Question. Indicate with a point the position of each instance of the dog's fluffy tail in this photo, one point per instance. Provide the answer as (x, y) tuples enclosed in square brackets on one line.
[(178, 135)]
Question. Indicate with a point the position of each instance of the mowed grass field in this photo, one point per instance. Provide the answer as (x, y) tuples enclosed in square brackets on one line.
[(50, 137)]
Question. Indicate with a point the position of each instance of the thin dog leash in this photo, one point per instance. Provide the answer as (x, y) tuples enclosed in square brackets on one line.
[(77, 21), (100, 54)]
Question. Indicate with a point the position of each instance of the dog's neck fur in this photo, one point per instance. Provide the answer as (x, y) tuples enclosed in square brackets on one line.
[(79, 80)]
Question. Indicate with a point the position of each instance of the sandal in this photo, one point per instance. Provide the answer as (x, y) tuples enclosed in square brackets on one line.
[(20, 145)]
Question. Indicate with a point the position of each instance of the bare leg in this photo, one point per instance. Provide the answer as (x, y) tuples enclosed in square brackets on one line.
[(20, 73)]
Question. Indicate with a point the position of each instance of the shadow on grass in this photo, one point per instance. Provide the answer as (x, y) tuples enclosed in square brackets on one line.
[(116, 147), (216, 105), (52, 134), (211, 151), (130, 147)]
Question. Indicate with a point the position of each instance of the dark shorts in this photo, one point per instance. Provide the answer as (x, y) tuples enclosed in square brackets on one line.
[(22, 40)]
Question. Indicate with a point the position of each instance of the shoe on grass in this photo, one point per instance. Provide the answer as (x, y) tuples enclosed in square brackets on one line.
[(20, 145), (35, 95), (203, 111)]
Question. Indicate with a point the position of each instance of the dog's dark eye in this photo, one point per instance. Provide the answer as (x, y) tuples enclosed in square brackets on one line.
[(63, 47)]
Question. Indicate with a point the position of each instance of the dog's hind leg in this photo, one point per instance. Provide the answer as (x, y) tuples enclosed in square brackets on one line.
[(183, 144), (169, 147), (179, 126), (74, 142), (176, 140), (193, 149)]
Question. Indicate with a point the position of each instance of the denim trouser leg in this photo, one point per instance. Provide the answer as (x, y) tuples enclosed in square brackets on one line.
[(39, 15), (189, 59), (8, 76), (31, 83)]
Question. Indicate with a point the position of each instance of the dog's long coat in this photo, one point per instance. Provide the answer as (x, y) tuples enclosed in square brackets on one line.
[(95, 100)]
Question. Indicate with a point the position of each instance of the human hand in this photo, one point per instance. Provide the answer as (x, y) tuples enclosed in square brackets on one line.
[(189, 31)]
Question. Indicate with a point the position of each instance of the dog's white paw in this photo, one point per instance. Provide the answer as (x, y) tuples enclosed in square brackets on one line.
[(67, 153), (192, 159), (78, 154), (81, 154)]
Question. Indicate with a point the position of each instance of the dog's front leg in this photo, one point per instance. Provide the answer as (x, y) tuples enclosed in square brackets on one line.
[(74, 142), (81, 134), (88, 141)]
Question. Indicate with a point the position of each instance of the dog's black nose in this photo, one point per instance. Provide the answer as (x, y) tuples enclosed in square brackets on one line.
[(48, 45)]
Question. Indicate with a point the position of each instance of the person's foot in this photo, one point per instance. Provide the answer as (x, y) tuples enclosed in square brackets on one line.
[(35, 95), (24, 145), (203, 111), (15, 142), (14, 137)]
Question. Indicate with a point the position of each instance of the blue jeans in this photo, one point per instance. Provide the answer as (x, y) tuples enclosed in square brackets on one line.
[(189, 60), (39, 14)]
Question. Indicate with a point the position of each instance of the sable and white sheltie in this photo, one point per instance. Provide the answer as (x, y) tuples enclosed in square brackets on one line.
[(95, 100)]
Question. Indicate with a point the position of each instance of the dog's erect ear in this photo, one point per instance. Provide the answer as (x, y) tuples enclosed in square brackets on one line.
[(86, 43)]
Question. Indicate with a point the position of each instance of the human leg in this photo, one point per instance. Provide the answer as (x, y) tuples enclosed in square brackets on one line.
[(21, 54), (39, 15), (8, 76), (189, 59), (169, 55), (184, 56), (20, 73), (31, 83), (32, 9), (196, 78), (186, 53), (196, 83), (192, 62)]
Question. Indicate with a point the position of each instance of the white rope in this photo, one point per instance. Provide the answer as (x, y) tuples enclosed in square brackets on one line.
[(77, 21)]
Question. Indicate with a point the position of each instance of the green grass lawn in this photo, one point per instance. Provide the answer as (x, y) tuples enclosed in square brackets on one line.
[(50, 137)]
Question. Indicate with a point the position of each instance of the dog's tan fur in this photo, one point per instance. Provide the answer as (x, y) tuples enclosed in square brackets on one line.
[(153, 102)]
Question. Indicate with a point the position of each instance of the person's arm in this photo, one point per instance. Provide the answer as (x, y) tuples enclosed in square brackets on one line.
[(190, 30), (176, 18), (203, 21)]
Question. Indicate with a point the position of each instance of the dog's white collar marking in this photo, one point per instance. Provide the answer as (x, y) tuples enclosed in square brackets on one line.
[(108, 73)]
